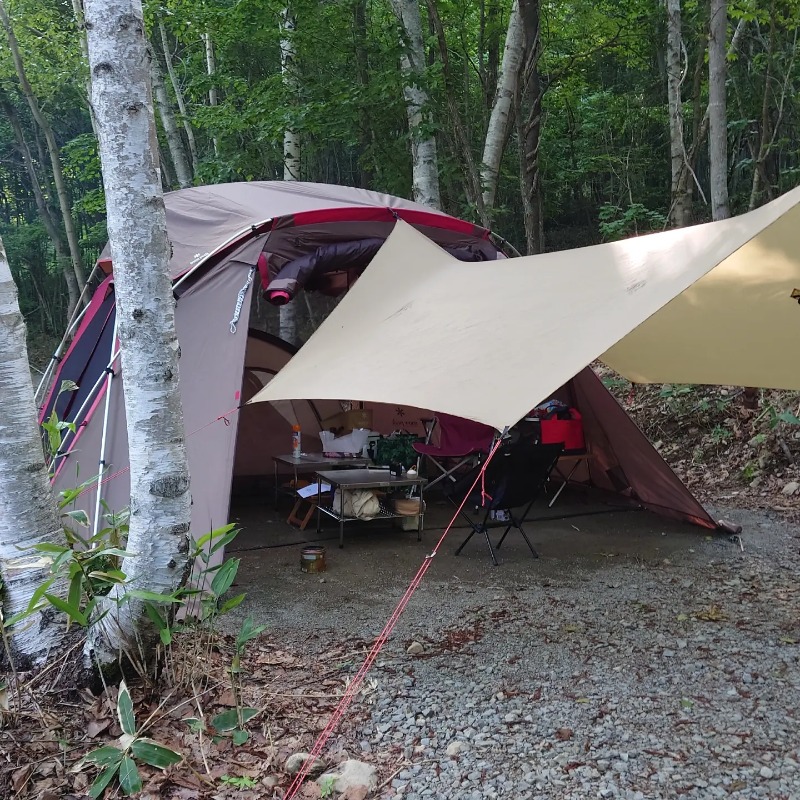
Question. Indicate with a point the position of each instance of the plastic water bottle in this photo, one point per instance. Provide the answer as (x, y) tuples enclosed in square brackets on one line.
[(296, 449)]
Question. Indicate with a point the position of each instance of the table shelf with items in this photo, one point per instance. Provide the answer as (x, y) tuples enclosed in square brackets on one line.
[(350, 496)]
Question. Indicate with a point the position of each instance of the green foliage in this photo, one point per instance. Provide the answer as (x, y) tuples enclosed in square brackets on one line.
[(620, 223), (326, 786), (238, 781), (120, 763)]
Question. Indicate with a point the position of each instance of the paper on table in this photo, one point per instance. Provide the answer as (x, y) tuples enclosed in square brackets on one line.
[(311, 489)]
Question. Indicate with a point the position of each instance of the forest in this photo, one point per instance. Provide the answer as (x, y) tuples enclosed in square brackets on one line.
[(557, 125)]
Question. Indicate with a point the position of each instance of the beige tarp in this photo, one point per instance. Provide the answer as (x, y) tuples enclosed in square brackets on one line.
[(489, 341)]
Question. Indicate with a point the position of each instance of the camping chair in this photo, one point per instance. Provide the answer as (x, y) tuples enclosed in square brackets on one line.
[(460, 440), (513, 479)]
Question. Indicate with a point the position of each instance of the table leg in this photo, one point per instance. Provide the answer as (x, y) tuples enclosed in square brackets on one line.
[(421, 512), (275, 465), (341, 517), (319, 503)]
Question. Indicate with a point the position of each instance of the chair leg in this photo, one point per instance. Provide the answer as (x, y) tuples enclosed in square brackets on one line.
[(528, 541), (491, 549), (505, 533), (482, 528), (471, 533)]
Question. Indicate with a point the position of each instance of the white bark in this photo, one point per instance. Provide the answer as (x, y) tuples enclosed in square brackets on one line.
[(140, 250), (211, 67), (287, 314), (52, 149), (28, 513), (176, 88), (679, 199), (424, 159), (717, 111), (500, 118), (177, 151), (291, 138)]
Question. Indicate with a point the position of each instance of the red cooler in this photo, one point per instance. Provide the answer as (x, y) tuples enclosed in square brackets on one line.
[(568, 431)]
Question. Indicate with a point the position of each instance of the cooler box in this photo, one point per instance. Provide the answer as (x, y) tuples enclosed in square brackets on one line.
[(566, 431)]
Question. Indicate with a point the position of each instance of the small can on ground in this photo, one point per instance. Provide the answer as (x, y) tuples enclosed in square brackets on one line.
[(312, 559)]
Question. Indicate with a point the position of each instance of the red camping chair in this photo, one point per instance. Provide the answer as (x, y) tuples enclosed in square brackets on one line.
[(460, 440)]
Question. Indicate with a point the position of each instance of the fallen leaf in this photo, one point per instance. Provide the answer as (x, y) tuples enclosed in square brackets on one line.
[(563, 734), (96, 727), (20, 777)]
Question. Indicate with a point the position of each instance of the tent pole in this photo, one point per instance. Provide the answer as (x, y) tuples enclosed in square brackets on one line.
[(98, 382), (233, 238), (77, 316), (102, 461)]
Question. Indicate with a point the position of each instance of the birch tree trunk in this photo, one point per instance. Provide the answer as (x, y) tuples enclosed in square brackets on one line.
[(176, 88), (52, 148), (177, 151), (291, 138), (28, 513), (717, 110), (140, 250), (287, 313), (500, 118), (680, 207), (53, 232), (211, 67), (425, 165)]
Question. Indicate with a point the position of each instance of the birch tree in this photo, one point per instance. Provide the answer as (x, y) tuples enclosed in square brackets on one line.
[(177, 151), (425, 163), (140, 251), (502, 108), (717, 110), (176, 88), (287, 314), (28, 514)]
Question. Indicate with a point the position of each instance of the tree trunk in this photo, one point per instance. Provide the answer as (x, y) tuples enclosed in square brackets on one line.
[(529, 116), (160, 506), (77, 10), (211, 67), (53, 232), (287, 313), (174, 142), (52, 148), (717, 110), (680, 207), (366, 165), (500, 118), (176, 88), (425, 165), (291, 138), (28, 512), (463, 147)]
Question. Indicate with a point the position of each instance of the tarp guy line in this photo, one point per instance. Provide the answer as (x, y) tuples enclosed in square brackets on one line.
[(355, 684)]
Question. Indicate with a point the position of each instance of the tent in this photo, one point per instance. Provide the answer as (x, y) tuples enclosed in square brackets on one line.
[(319, 237)]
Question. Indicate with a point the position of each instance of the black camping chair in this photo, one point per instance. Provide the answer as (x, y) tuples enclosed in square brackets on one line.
[(513, 479)]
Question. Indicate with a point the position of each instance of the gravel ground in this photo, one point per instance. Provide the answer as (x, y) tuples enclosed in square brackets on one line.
[(634, 659)]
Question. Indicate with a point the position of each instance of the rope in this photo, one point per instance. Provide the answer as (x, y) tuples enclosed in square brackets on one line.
[(240, 299), (383, 636), (223, 417)]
